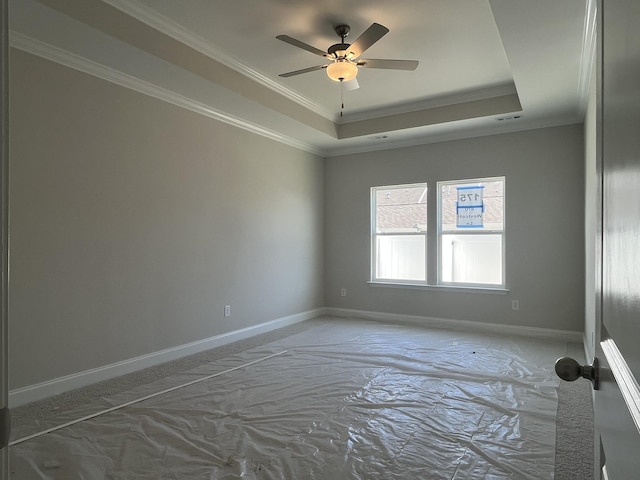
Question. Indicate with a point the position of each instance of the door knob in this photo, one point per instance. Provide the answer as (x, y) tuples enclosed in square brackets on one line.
[(568, 369)]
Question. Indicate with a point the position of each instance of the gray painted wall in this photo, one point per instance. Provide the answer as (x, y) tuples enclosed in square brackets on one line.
[(133, 222), (544, 172)]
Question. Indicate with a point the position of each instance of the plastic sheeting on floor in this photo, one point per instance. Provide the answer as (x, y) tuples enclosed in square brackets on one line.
[(347, 400)]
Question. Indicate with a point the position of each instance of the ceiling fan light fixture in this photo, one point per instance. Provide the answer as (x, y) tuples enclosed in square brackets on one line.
[(342, 71)]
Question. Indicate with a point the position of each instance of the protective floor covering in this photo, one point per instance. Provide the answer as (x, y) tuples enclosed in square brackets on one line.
[(343, 400)]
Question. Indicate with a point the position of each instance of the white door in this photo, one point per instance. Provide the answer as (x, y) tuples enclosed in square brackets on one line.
[(617, 403), (4, 253)]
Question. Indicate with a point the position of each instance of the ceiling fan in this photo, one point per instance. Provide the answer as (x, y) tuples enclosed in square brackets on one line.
[(345, 58)]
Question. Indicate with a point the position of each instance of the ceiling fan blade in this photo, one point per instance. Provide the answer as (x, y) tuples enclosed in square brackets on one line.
[(304, 70), (388, 64), (370, 36), (302, 45), (351, 85)]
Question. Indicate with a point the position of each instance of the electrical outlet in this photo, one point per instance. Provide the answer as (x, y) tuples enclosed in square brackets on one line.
[(515, 304), (343, 292), (227, 310)]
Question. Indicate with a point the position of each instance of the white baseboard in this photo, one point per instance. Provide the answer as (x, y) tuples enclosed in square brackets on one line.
[(64, 384), (493, 328), (59, 385)]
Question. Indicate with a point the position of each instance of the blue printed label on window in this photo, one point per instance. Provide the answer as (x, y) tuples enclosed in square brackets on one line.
[(470, 207)]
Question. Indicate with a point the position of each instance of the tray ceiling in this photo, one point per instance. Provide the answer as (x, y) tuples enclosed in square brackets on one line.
[(485, 66)]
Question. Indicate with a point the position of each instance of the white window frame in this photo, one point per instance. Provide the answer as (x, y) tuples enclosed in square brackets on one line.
[(374, 238), (440, 233)]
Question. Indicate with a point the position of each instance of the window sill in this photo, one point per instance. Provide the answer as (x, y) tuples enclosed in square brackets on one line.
[(442, 288)]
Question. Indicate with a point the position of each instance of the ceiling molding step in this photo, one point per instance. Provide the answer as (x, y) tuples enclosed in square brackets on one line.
[(76, 62), (118, 24), (433, 102), (447, 137), (461, 111), (178, 32)]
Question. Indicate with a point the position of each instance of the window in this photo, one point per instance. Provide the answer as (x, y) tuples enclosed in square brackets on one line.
[(399, 233), (471, 232), (468, 224)]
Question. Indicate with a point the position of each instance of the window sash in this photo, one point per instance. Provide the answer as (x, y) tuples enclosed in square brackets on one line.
[(400, 266), (450, 273)]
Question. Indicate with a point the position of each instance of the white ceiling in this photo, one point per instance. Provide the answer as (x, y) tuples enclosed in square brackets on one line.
[(480, 61)]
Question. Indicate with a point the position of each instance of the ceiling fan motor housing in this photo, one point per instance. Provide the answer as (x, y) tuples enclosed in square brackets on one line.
[(338, 47)]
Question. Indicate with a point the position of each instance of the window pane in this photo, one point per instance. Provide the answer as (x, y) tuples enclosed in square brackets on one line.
[(401, 210), (493, 205), (472, 259), (401, 257)]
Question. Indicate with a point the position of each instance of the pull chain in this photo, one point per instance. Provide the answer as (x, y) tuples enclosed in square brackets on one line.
[(341, 97)]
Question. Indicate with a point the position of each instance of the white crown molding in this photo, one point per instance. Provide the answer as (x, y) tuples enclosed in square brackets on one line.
[(588, 55), (178, 32), (77, 62)]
